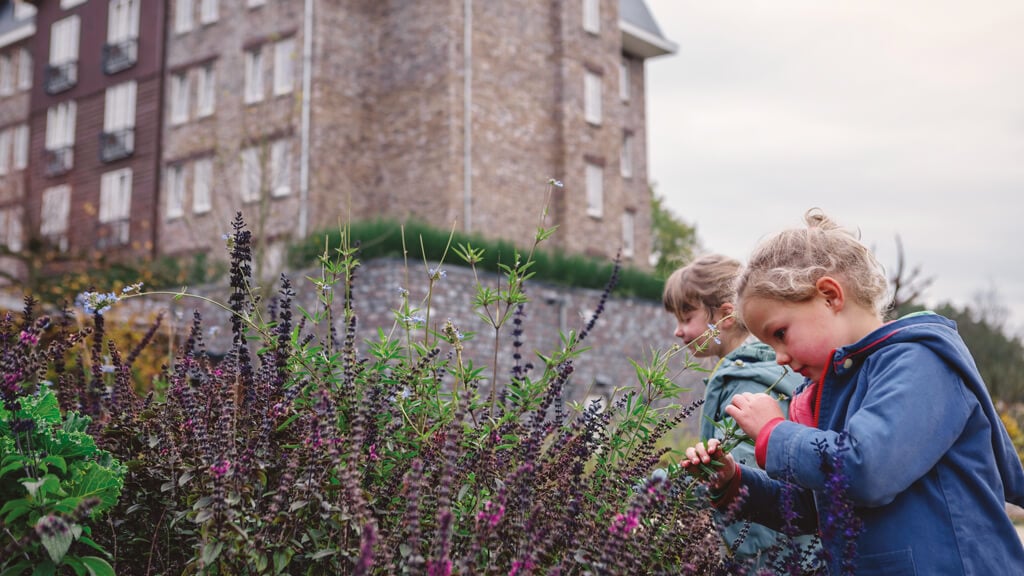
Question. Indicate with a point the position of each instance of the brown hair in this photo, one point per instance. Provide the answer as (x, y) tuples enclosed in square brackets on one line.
[(787, 266), (708, 282)]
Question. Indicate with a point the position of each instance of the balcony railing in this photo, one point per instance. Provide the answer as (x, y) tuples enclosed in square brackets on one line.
[(59, 161), (117, 144), (61, 77), (113, 234), (119, 56)]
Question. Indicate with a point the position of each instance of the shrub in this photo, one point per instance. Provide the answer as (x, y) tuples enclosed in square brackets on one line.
[(54, 481), (307, 450)]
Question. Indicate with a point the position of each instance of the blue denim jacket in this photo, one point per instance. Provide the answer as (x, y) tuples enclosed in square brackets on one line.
[(928, 461)]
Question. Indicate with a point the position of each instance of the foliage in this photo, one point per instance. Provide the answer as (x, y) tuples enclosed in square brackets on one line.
[(310, 450), (53, 277), (386, 238), (54, 480), (674, 241)]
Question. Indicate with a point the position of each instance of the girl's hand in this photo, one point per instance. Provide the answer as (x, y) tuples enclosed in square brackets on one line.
[(710, 463), (753, 411)]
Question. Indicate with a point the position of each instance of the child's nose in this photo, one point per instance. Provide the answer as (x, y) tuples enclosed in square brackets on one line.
[(781, 358), (680, 332)]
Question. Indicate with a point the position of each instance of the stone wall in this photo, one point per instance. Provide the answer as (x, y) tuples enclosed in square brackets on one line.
[(628, 328)]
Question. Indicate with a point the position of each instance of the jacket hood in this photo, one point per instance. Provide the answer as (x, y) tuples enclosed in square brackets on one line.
[(939, 334), (756, 361)]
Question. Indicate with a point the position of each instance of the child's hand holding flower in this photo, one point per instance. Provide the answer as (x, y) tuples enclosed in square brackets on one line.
[(754, 411)]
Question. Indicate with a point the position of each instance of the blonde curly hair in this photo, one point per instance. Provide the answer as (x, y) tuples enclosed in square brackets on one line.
[(787, 265)]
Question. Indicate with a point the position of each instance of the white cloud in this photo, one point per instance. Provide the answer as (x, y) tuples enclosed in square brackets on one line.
[(898, 117)]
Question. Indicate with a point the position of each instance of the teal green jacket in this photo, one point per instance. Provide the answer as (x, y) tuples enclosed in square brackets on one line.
[(749, 368)]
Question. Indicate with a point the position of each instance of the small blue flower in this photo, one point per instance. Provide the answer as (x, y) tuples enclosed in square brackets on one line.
[(412, 321), (437, 273), (96, 302), (556, 183)]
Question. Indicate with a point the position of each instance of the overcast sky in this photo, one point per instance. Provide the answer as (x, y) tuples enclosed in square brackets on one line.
[(896, 117)]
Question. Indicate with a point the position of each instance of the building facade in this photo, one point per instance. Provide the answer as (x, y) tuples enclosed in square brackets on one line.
[(17, 27), (152, 122)]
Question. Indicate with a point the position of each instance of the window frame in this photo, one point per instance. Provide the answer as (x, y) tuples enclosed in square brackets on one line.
[(202, 200), (592, 96), (175, 207), (180, 102), (284, 66), (251, 174), (54, 214), (594, 179), (183, 16), (281, 167), (254, 88), (206, 90), (592, 16)]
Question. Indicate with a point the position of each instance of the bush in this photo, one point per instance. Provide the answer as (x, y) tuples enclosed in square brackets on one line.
[(386, 238), (307, 450)]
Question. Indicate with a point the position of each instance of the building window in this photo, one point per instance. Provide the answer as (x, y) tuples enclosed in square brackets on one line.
[(252, 175), (253, 75), (122, 47), (60, 138), (182, 16), (116, 207), (6, 75), (206, 91), (595, 189), (202, 178), (592, 98), (209, 11), (256, 3), (66, 4), (284, 66), (24, 69), (592, 16), (626, 155), (5, 151), (53, 218), (175, 191), (628, 234), (62, 72), (118, 138), (281, 167), (23, 10), (624, 88), (10, 229), (21, 147), (179, 98)]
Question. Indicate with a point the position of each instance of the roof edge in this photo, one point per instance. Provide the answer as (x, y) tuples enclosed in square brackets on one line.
[(640, 42)]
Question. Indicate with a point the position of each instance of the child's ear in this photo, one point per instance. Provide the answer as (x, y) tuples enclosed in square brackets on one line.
[(727, 318), (832, 291)]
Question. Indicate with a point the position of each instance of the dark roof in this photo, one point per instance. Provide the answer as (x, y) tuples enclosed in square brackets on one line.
[(641, 35)]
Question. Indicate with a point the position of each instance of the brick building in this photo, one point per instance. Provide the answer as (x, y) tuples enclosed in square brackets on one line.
[(17, 26), (153, 121)]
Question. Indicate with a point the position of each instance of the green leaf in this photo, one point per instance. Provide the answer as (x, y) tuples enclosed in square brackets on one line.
[(45, 568), (211, 550), (56, 461), (17, 569), (55, 535), (97, 566), (100, 483), (14, 509)]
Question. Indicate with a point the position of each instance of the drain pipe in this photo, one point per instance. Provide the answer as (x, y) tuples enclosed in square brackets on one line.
[(307, 76), (467, 116)]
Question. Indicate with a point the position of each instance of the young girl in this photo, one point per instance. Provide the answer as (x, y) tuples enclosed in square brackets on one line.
[(700, 295), (898, 407)]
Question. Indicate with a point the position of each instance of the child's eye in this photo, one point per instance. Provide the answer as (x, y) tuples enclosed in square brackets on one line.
[(779, 334)]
